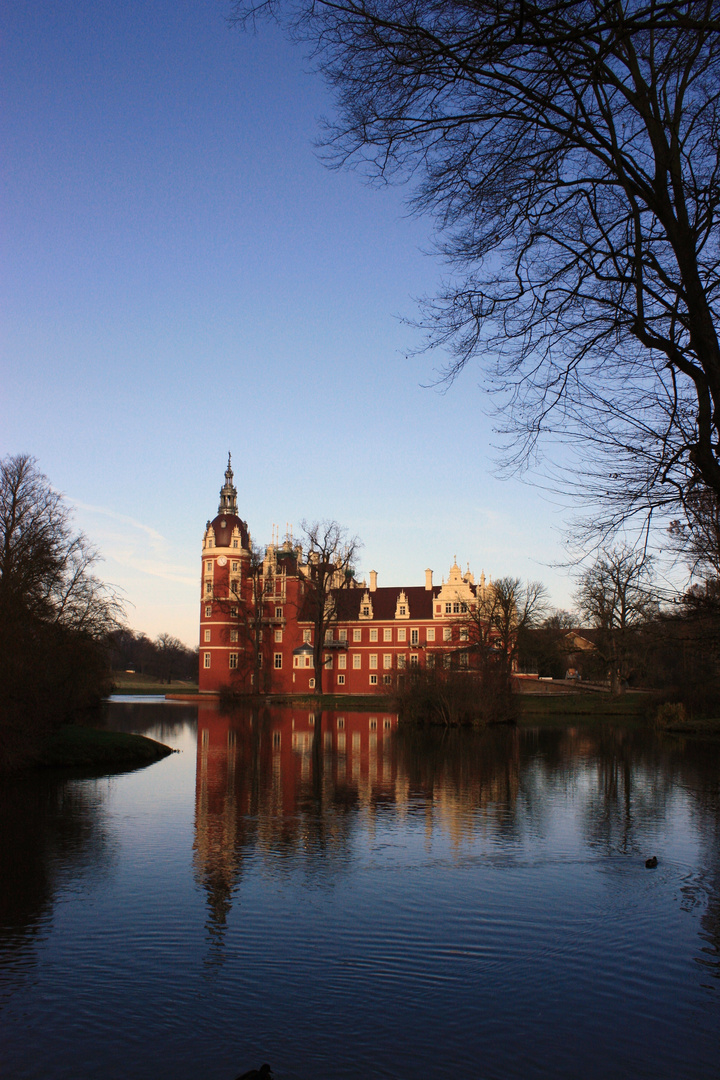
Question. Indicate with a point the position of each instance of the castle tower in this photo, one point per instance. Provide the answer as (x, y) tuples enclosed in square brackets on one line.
[(225, 558)]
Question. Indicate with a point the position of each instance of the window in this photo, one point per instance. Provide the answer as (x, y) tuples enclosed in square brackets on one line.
[(329, 634), (387, 633), (456, 608), (259, 660), (447, 661), (448, 609), (357, 635), (278, 613), (342, 661), (208, 588), (340, 722), (311, 684), (235, 543), (341, 680), (431, 633), (233, 635), (447, 633), (207, 635), (208, 611), (206, 659), (387, 660), (402, 634), (373, 660), (401, 661), (431, 659), (276, 740), (463, 608), (373, 680), (235, 567), (414, 637), (463, 633), (342, 635), (208, 565), (387, 723), (328, 660), (232, 659), (387, 679), (373, 633), (278, 659), (233, 612), (235, 585), (463, 659), (307, 637), (366, 610), (372, 723), (402, 610), (357, 661), (413, 660), (278, 635)]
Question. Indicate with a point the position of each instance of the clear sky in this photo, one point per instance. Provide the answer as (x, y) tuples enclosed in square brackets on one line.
[(182, 277)]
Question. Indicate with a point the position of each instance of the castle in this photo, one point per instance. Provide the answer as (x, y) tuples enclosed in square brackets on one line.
[(257, 630)]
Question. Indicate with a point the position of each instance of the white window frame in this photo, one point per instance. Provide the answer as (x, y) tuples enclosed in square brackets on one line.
[(373, 633), (277, 660), (206, 660), (357, 634), (387, 633), (373, 661), (357, 662)]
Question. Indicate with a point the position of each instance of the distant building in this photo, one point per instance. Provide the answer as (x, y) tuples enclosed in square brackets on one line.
[(255, 633)]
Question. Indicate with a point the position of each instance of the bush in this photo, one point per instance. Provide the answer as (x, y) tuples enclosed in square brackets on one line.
[(455, 698)]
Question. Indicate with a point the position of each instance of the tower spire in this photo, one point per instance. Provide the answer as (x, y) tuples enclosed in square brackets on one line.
[(228, 492)]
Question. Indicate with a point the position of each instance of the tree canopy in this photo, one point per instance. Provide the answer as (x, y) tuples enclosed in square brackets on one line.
[(55, 613), (569, 151)]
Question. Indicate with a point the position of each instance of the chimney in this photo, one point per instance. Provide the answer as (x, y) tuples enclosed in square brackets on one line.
[(373, 580), (428, 580)]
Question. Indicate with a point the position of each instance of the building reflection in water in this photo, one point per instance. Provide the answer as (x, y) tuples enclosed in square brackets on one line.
[(290, 785), (292, 781), (286, 780)]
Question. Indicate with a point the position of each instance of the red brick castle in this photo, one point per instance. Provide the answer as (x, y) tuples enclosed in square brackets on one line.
[(256, 630)]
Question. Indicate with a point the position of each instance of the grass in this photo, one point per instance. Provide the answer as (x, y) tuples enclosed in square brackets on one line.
[(110, 751), (562, 708), (126, 682)]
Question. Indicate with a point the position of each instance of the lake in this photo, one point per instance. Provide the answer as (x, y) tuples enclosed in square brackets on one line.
[(346, 900)]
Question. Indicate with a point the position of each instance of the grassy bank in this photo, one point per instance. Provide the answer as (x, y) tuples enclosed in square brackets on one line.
[(563, 708), (109, 751), (126, 682)]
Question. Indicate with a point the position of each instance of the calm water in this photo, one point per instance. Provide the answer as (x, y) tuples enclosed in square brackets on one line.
[(343, 900)]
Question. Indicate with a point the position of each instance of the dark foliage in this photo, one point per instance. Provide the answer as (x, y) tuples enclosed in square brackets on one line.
[(54, 614)]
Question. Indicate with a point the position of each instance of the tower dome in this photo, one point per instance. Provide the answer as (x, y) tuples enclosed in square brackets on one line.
[(227, 519)]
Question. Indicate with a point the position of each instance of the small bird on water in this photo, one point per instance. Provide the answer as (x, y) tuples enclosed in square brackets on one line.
[(263, 1073), (651, 863)]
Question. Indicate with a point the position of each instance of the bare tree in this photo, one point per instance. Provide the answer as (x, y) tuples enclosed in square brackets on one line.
[(331, 557), (570, 154), (616, 594), (696, 538), (252, 620), (45, 567), (505, 610), (54, 613)]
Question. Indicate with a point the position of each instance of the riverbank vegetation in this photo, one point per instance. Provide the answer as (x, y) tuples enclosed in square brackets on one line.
[(55, 614), (77, 747)]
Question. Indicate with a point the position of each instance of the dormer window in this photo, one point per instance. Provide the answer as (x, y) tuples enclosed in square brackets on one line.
[(402, 607), (366, 610)]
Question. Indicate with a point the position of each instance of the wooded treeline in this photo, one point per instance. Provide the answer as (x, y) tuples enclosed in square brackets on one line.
[(166, 658)]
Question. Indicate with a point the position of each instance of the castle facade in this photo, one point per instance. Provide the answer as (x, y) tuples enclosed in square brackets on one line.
[(257, 634)]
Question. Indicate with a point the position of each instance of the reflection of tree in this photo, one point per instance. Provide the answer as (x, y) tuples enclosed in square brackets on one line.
[(49, 835)]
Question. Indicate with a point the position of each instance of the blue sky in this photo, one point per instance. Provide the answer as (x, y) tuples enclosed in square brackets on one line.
[(182, 277)]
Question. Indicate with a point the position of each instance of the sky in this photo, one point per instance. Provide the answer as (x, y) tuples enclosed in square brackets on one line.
[(183, 277)]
